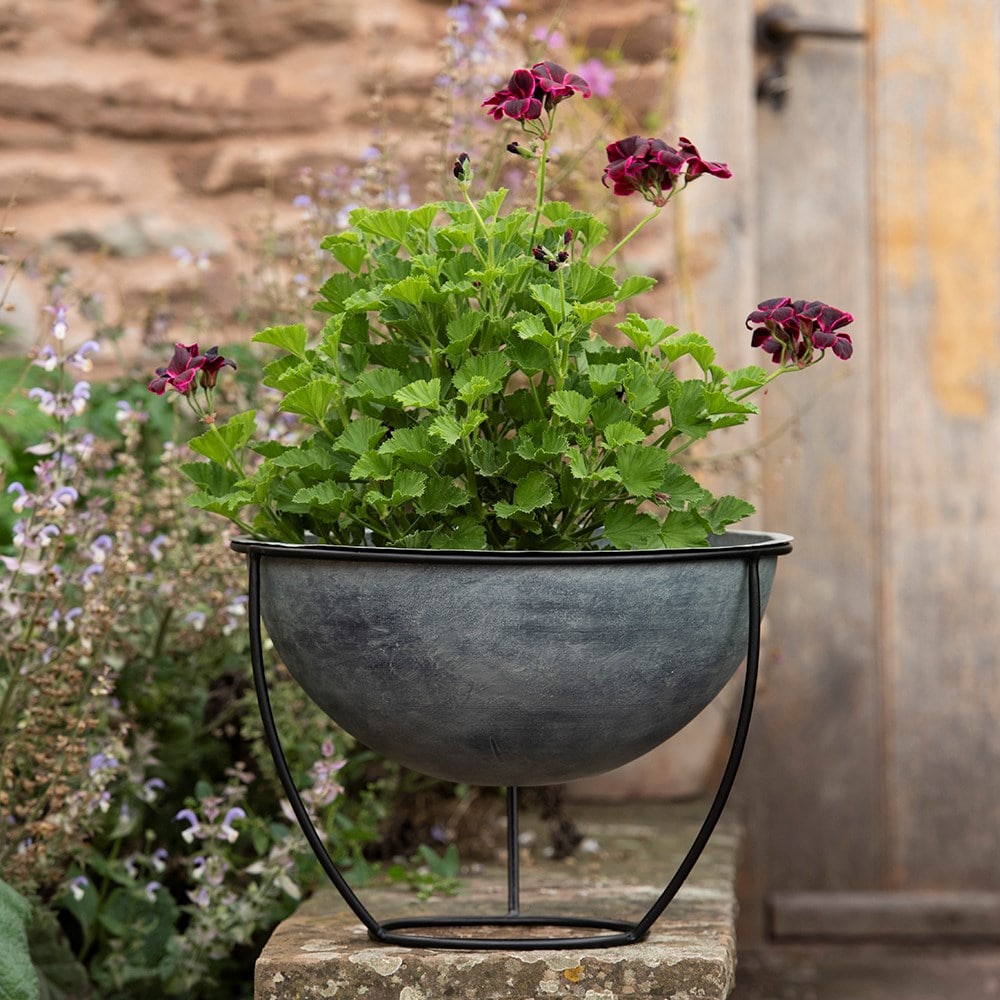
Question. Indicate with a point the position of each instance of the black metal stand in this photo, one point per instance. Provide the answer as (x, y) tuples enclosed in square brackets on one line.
[(400, 931)]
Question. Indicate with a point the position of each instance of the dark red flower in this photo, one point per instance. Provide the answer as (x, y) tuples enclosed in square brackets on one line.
[(557, 83), (791, 331), (185, 366), (181, 372), (213, 363), (827, 321), (517, 100), (696, 166), (529, 92), (651, 167)]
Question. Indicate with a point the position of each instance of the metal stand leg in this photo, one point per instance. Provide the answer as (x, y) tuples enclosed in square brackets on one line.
[(397, 931)]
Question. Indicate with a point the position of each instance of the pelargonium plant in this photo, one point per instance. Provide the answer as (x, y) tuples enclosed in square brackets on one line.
[(480, 381)]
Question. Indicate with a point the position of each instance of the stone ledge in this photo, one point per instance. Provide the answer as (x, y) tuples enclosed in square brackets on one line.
[(322, 951)]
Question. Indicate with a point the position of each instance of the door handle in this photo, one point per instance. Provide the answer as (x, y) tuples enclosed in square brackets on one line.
[(777, 29)]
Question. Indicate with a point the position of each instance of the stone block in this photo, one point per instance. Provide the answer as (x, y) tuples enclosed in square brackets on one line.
[(322, 951)]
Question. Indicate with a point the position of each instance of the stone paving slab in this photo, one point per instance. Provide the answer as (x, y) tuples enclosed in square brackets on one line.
[(322, 951)]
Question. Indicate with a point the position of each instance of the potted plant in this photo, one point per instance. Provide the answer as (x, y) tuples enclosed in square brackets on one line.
[(477, 547)]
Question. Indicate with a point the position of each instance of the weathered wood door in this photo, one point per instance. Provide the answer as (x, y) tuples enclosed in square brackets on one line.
[(875, 749)]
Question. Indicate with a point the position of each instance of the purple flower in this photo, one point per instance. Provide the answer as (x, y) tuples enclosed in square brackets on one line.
[(78, 886), (194, 825), (226, 830), (601, 77)]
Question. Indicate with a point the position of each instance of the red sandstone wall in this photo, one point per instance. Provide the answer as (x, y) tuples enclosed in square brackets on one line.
[(131, 128)]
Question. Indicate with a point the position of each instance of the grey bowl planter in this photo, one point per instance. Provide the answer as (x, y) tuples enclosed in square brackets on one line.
[(512, 668)]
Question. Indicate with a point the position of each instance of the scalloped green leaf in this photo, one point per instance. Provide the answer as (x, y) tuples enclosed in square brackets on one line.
[(423, 393), (289, 338), (627, 528), (641, 469), (570, 405)]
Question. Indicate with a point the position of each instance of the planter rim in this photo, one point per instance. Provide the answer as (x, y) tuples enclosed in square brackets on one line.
[(731, 545)]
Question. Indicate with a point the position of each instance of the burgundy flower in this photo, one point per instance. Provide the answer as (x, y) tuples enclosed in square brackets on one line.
[(827, 321), (529, 92), (791, 331), (213, 362), (696, 166), (651, 167), (517, 100), (557, 83), (185, 366), (181, 372)]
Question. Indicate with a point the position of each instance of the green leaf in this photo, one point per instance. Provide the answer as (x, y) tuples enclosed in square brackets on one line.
[(481, 375), (589, 284), (529, 356), (684, 530), (391, 224), (336, 290), (408, 484), (440, 496), (645, 332), (424, 393), (288, 338), (377, 384), (623, 432), (18, 980), (360, 435), (634, 284), (548, 297), (642, 394), (626, 528), (327, 498), (413, 290), (681, 490), (641, 469), (347, 249), (467, 533), (221, 441), (750, 377), (411, 444), (312, 400), (604, 378), (532, 327), (462, 330), (570, 405), (687, 409), (694, 345), (372, 465), (727, 510), (587, 312), (491, 203), (210, 478), (228, 506), (60, 975), (531, 493)]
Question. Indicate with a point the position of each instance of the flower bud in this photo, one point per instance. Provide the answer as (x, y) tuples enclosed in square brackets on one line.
[(462, 169)]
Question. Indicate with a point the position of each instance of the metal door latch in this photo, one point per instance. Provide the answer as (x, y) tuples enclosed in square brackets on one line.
[(777, 30)]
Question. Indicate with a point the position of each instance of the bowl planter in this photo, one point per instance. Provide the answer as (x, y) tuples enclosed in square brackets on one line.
[(512, 668)]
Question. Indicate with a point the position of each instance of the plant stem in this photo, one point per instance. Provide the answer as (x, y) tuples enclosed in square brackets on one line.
[(632, 234)]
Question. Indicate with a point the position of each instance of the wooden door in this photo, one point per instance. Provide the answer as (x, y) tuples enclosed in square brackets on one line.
[(874, 752)]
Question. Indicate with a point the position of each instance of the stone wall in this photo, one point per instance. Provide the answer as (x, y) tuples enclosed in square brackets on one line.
[(140, 136)]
